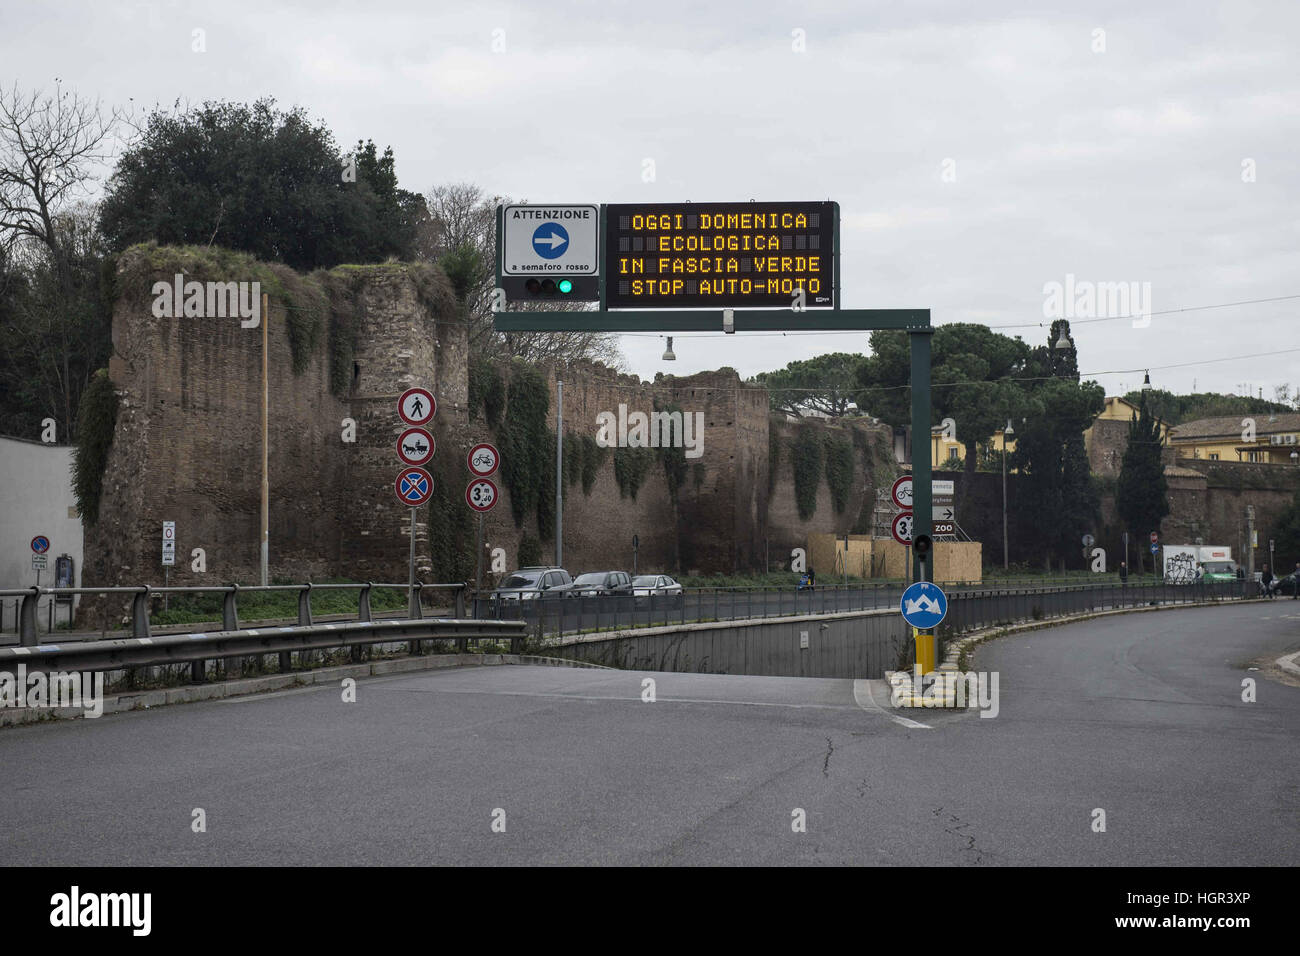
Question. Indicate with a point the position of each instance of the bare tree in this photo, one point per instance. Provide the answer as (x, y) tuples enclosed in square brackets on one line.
[(461, 236), (49, 148)]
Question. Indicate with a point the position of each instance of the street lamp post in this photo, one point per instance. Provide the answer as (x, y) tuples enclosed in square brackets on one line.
[(1006, 561)]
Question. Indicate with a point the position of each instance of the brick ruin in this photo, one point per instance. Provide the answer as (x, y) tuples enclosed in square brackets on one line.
[(187, 449)]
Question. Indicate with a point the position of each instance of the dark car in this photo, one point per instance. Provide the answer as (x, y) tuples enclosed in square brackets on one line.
[(1285, 585), (599, 584), (530, 584)]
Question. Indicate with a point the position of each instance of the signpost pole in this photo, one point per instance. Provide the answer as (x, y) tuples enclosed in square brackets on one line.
[(559, 473), (921, 476), (478, 569), (266, 485), (410, 576), (922, 511)]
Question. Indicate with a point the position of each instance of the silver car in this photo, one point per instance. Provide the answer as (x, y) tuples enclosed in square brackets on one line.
[(648, 587)]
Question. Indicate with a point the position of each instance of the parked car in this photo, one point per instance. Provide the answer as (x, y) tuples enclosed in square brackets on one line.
[(657, 587), (530, 584), (599, 584)]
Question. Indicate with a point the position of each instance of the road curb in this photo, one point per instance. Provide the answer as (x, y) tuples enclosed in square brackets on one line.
[(955, 651), (160, 697)]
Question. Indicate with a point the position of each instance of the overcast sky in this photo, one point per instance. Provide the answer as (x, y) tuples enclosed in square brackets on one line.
[(1119, 164)]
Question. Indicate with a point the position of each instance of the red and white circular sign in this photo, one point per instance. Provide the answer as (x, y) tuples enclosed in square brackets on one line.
[(1155, 536), (483, 460), (415, 446), (901, 492), (481, 495), (416, 406), (902, 527), (414, 487)]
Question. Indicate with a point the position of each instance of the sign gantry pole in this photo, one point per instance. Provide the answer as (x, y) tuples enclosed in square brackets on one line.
[(266, 480)]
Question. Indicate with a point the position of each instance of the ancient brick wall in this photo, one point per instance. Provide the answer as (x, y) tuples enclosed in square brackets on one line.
[(188, 449), (1230, 487), (187, 446), (873, 466), (1106, 446)]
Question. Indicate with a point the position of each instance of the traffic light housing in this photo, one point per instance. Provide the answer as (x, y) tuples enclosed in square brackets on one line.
[(556, 287), (549, 287), (921, 546)]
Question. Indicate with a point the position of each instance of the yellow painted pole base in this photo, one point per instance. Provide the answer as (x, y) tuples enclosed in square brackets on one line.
[(926, 650)]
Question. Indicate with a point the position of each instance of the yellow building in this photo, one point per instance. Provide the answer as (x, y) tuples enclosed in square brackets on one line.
[(1270, 439), (949, 454)]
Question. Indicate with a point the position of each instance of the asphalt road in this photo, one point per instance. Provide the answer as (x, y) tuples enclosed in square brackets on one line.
[(1139, 715)]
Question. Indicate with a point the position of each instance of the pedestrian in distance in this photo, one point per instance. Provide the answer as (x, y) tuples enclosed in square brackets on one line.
[(1266, 581), (1123, 572)]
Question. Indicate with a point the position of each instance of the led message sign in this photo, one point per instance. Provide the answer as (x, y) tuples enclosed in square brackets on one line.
[(720, 255)]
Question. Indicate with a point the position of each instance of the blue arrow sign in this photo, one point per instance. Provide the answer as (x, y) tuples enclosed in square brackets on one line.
[(1155, 548), (550, 240), (924, 605)]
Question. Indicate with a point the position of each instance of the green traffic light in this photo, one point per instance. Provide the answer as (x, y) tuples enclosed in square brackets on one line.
[(566, 286)]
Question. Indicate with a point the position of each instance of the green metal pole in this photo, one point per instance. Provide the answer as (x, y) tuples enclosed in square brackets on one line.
[(921, 497)]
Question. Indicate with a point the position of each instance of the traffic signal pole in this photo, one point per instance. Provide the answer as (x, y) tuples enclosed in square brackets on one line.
[(922, 511)]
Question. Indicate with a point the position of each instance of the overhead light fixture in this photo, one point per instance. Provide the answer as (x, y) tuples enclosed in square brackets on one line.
[(1062, 343), (1146, 382), (668, 353), (1008, 430)]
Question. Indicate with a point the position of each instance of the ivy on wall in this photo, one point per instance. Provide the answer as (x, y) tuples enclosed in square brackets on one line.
[(839, 470), (672, 457), (546, 490), (593, 459), (806, 460), (630, 467), (96, 419), (453, 535), (524, 442), (487, 390), (530, 551)]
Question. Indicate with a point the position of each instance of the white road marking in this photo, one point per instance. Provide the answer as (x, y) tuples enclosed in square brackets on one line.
[(862, 690)]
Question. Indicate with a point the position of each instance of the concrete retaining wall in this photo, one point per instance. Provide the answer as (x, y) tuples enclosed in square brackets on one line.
[(857, 644)]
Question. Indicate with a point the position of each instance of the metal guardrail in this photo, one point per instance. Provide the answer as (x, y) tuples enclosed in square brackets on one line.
[(200, 647), (989, 607), (142, 595), (569, 615)]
